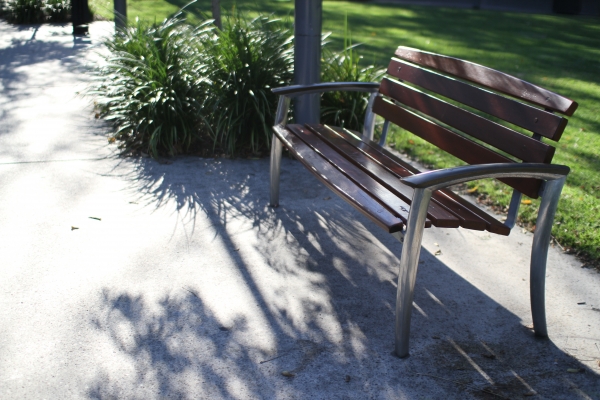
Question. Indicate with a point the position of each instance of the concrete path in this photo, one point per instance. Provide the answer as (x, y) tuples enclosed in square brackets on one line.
[(128, 279)]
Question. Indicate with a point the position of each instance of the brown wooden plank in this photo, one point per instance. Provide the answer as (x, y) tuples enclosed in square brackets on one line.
[(340, 184), (435, 212), (520, 114), (490, 78), (366, 182), (452, 143), (499, 136), (463, 209)]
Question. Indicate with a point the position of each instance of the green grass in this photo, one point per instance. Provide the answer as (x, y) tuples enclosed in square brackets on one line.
[(557, 52)]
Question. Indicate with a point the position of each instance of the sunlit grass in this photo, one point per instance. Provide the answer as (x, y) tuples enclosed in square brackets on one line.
[(558, 52)]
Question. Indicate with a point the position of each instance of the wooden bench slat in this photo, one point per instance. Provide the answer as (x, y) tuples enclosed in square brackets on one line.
[(365, 181), (520, 114), (452, 143), (499, 136), (436, 213), (340, 184), (491, 78), (469, 214)]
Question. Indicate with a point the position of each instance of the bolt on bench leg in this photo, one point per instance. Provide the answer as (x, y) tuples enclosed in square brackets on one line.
[(539, 254), (409, 263), (275, 168)]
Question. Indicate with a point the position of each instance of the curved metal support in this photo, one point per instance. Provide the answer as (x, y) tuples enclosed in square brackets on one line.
[(283, 106), (384, 132), (281, 116), (369, 124), (409, 262), (513, 209), (539, 254), (447, 177), (299, 90), (276, 149)]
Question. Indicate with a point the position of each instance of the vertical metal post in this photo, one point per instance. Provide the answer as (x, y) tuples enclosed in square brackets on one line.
[(120, 14), (307, 57)]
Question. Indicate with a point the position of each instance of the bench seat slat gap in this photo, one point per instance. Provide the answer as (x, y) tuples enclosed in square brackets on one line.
[(340, 184), (355, 173), (469, 213), (376, 171)]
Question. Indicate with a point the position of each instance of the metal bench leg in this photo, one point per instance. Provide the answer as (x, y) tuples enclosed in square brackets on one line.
[(539, 254), (409, 263), (280, 118), (275, 168)]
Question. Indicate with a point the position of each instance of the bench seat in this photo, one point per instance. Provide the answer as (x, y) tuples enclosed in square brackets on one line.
[(368, 176)]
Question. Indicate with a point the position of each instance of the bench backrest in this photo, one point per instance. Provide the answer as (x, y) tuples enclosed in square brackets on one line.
[(474, 137)]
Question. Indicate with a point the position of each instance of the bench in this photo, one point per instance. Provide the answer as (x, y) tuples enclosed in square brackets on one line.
[(455, 105)]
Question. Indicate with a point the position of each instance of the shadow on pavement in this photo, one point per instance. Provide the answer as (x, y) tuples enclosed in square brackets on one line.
[(326, 289)]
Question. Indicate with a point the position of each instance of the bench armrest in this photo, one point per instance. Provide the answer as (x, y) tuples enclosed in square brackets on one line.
[(298, 90), (286, 93), (434, 180)]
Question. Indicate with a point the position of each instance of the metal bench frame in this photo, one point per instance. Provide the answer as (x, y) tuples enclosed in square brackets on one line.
[(424, 184)]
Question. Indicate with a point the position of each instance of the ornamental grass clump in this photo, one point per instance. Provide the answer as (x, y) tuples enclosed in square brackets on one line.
[(248, 59), (24, 11), (35, 11), (57, 10), (346, 109), (172, 88), (153, 85)]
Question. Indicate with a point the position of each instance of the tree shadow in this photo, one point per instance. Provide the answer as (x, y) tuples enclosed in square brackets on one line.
[(323, 287)]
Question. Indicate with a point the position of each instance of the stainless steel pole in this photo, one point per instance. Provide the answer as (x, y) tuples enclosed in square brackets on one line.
[(307, 57)]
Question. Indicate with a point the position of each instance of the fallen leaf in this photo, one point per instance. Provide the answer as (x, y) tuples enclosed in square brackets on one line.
[(111, 140), (288, 374), (598, 362), (526, 201), (438, 253), (574, 370), (96, 218), (410, 141), (74, 227), (472, 190)]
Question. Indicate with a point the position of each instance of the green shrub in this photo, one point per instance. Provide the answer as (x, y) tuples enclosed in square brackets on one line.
[(152, 86), (58, 10), (166, 87), (244, 63), (346, 109), (25, 11)]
